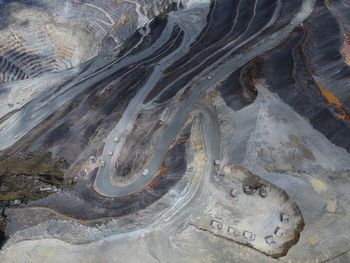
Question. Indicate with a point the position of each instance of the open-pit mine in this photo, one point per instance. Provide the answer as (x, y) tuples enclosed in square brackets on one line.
[(136, 131)]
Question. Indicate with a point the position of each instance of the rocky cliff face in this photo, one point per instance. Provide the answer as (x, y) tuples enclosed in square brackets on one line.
[(193, 131)]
